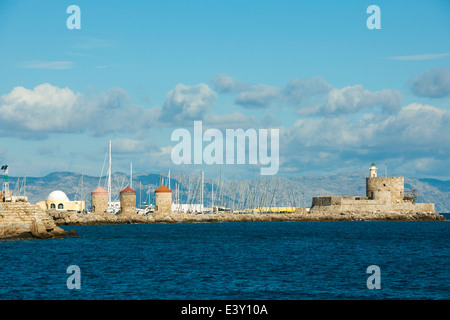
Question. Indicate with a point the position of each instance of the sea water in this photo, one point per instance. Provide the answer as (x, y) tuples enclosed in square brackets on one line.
[(235, 260)]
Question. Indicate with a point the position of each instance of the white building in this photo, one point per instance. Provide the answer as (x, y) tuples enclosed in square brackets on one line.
[(58, 200)]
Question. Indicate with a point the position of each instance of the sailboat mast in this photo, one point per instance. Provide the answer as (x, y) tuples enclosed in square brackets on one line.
[(24, 182), (109, 176), (131, 174), (203, 184), (140, 194), (81, 193)]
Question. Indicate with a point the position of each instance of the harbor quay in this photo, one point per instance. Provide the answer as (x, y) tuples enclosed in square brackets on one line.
[(385, 199)]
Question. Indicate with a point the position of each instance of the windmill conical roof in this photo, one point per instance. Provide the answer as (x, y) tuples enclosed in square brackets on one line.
[(99, 190), (127, 190), (162, 189)]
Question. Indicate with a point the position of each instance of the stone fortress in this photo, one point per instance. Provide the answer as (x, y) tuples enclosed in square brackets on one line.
[(383, 195)]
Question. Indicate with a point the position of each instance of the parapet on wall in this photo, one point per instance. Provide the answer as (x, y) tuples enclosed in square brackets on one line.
[(345, 204), (337, 201)]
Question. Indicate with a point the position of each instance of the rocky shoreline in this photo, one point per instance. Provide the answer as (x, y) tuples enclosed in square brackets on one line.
[(67, 219)]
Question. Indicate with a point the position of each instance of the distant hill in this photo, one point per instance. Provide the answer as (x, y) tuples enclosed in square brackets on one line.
[(274, 191)]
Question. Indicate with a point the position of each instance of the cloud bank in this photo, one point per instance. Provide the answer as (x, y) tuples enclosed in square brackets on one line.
[(35, 113), (328, 125), (308, 96)]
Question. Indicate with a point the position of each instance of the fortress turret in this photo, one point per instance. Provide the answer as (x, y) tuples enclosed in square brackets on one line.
[(386, 189)]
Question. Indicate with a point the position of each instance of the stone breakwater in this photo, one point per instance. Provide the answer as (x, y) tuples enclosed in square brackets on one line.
[(65, 218), (24, 220)]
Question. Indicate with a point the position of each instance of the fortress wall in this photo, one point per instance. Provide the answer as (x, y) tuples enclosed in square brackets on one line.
[(329, 201), (354, 206), (321, 201), (390, 189), (413, 207), (362, 206), (355, 201), (337, 201)]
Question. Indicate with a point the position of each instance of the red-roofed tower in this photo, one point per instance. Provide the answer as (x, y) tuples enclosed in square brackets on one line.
[(127, 201), (163, 200)]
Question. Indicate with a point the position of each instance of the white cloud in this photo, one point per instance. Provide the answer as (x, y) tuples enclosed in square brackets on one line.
[(324, 132), (126, 145), (225, 83), (248, 96), (429, 56), (298, 90), (335, 129), (231, 120), (414, 135), (44, 109), (187, 103), (433, 83), (258, 96), (52, 65), (352, 99), (417, 125), (310, 96), (50, 109), (36, 113)]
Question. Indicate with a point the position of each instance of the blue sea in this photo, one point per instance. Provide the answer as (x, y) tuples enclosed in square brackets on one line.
[(233, 261)]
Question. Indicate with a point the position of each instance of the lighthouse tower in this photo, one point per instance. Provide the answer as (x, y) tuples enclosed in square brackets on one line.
[(373, 170)]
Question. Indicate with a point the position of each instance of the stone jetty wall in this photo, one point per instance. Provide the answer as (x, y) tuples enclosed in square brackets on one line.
[(24, 220), (65, 218)]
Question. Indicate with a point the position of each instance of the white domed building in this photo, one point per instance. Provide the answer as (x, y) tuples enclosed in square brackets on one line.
[(58, 200)]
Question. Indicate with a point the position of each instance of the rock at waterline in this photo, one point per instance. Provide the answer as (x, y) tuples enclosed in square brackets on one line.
[(73, 233)]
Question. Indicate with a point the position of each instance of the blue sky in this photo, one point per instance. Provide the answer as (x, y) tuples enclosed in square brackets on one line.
[(341, 95)]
